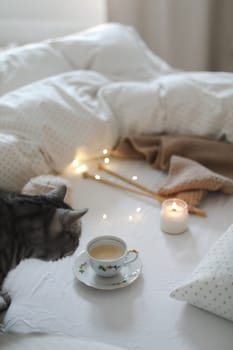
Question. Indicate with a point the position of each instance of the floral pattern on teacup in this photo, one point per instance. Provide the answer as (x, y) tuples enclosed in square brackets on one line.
[(83, 267), (109, 267)]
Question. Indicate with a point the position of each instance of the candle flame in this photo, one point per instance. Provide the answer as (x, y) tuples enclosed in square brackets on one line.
[(174, 206)]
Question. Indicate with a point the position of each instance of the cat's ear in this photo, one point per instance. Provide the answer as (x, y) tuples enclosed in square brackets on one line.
[(59, 192), (67, 216), (64, 217)]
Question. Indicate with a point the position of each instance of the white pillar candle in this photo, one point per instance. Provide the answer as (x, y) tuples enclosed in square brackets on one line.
[(174, 216)]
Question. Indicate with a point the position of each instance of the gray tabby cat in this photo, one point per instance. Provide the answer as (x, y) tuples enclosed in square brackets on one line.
[(40, 226)]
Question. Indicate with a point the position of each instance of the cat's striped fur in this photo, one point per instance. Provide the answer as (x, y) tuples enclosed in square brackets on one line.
[(40, 226)]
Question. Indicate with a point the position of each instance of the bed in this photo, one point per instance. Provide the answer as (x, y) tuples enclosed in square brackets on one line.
[(46, 296)]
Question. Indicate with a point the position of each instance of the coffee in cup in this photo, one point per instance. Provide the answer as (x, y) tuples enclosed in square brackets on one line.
[(108, 254)]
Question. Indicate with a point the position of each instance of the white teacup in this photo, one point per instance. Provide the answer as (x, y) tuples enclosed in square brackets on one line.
[(108, 254)]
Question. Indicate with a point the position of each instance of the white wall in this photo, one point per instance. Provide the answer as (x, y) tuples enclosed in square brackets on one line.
[(24, 21)]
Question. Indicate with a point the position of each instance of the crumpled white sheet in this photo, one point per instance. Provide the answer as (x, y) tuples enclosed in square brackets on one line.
[(28, 63), (51, 120), (44, 341), (111, 85)]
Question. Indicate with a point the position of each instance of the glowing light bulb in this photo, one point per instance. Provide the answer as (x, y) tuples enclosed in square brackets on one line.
[(138, 210), (81, 169), (130, 218), (97, 177), (134, 178), (105, 151), (106, 160), (104, 216), (75, 163)]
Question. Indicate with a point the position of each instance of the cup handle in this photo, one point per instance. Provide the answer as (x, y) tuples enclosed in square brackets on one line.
[(134, 254)]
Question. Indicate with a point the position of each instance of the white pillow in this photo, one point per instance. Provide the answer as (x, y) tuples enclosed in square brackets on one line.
[(203, 97), (113, 50), (46, 124), (210, 286), (29, 63), (21, 159)]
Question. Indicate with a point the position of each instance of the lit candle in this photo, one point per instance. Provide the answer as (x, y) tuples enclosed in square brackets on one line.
[(174, 216)]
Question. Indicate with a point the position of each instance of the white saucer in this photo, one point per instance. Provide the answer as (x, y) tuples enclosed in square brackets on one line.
[(86, 275)]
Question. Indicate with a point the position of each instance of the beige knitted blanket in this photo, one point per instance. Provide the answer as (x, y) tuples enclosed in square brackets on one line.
[(194, 165)]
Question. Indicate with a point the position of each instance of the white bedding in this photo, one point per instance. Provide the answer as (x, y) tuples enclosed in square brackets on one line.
[(48, 298), (30, 63), (106, 84), (50, 120), (97, 86), (47, 342)]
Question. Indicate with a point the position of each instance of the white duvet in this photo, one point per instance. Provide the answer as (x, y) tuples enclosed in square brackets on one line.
[(78, 94)]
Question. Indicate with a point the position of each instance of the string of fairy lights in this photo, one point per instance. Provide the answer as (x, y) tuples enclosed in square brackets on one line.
[(173, 218), (79, 167)]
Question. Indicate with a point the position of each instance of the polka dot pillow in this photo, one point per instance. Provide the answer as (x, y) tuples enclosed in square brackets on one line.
[(210, 287)]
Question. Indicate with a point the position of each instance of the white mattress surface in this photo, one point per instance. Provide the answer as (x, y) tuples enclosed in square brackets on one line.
[(46, 297), (16, 341)]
